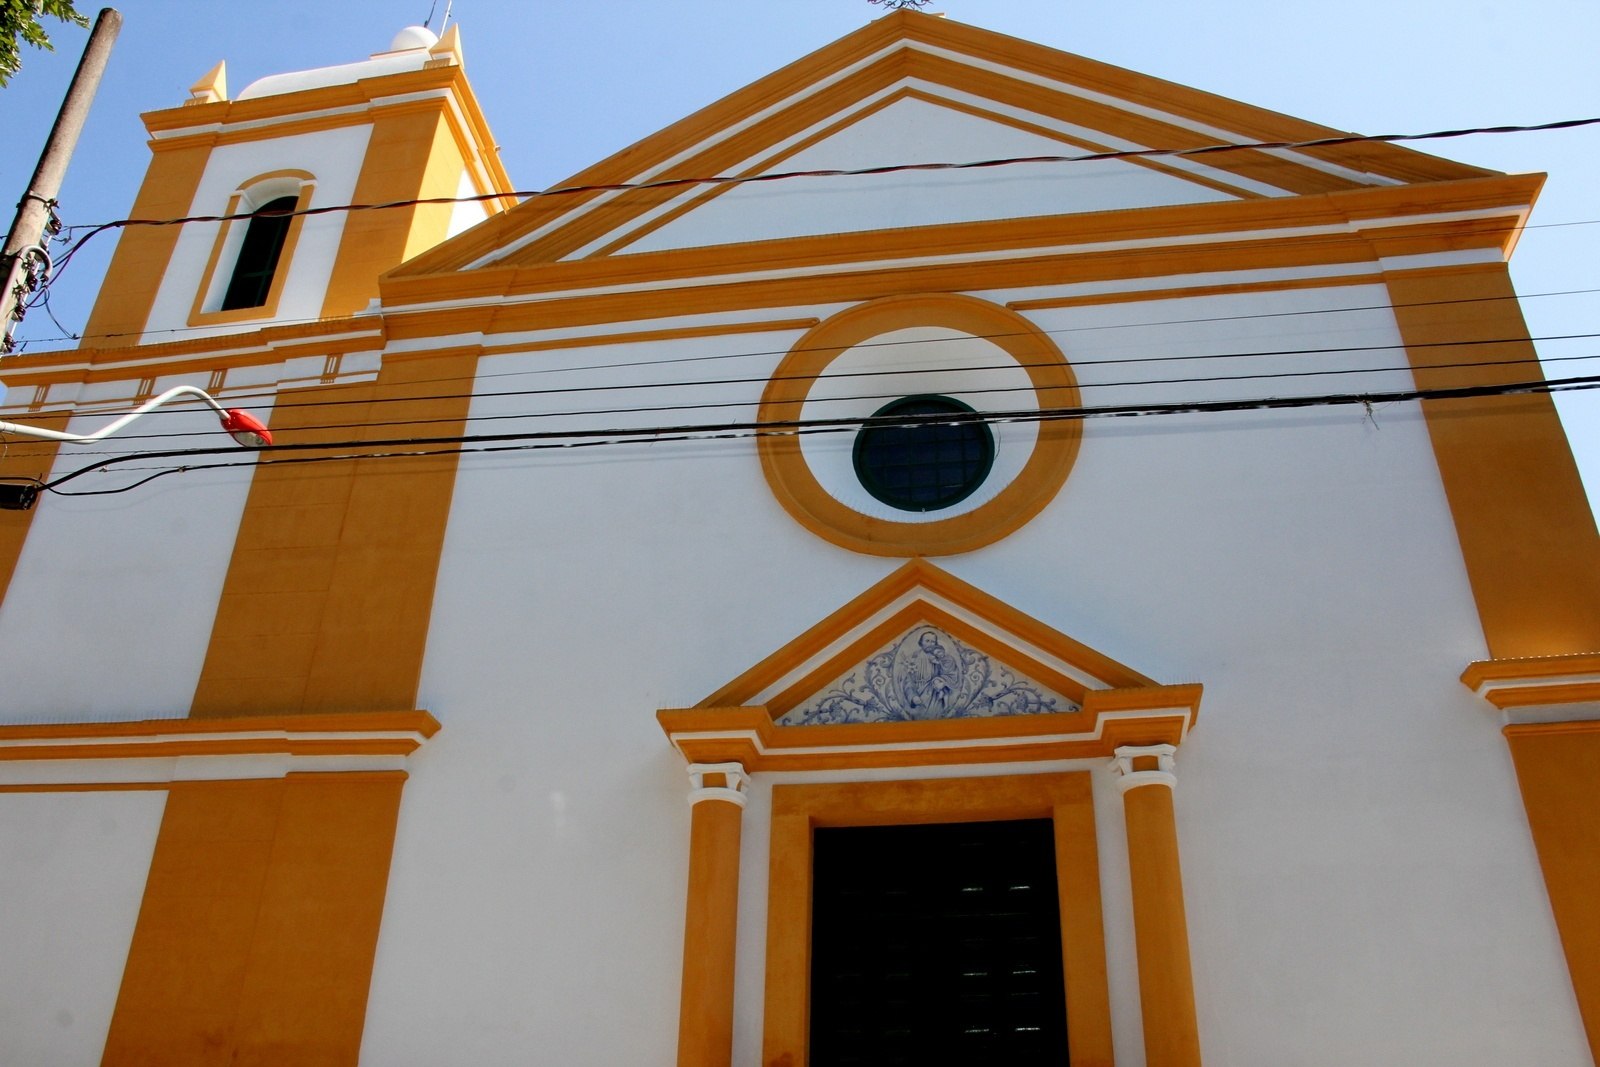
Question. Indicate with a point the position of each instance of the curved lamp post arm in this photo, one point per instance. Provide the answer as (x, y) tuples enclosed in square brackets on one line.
[(241, 425)]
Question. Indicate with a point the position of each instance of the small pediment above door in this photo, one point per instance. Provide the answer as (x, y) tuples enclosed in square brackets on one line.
[(924, 674), (924, 668)]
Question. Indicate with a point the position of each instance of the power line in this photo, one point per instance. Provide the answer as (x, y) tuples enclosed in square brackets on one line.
[(902, 371), (551, 439), (524, 195), (65, 259), (67, 335), (92, 230), (890, 168)]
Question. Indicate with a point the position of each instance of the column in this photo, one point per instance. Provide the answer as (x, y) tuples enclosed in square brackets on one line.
[(705, 1012), (1161, 934)]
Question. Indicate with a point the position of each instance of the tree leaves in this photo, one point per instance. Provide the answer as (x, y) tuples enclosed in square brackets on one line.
[(19, 23)]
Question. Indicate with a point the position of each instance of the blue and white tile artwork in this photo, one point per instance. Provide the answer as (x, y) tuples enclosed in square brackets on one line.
[(926, 674)]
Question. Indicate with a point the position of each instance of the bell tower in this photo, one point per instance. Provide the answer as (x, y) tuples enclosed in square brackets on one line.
[(399, 126)]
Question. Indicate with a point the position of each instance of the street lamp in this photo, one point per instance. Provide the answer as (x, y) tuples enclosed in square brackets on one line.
[(242, 426)]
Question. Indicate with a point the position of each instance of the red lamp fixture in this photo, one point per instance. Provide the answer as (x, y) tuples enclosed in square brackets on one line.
[(246, 429)]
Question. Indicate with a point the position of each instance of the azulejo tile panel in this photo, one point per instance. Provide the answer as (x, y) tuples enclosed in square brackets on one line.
[(926, 674)]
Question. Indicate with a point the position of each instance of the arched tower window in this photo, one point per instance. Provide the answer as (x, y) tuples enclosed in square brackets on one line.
[(253, 253), (259, 254)]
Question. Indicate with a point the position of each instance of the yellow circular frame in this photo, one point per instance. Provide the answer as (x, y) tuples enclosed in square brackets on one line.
[(1054, 452)]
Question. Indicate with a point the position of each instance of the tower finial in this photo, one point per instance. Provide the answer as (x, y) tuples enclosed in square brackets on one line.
[(212, 86)]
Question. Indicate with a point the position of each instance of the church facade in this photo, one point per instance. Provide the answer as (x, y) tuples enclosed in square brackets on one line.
[(768, 620)]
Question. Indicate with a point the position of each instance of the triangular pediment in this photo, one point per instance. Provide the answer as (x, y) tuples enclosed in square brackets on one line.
[(922, 645), (916, 89), (925, 673), (923, 667)]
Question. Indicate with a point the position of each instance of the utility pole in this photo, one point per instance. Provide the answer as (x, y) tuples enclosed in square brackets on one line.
[(24, 262)]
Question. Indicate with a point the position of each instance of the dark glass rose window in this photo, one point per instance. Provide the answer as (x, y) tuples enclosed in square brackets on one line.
[(926, 463)]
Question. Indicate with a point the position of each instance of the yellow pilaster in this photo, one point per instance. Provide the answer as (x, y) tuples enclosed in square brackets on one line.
[(1161, 932), (259, 926), (1527, 533), (1558, 770), (705, 1012)]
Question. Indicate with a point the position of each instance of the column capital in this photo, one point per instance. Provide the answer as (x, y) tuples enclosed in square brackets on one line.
[(1157, 766), (732, 789)]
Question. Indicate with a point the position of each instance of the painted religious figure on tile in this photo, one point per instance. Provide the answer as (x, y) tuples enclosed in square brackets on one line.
[(926, 674)]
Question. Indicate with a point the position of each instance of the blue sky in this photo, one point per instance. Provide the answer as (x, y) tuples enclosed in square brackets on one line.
[(566, 83)]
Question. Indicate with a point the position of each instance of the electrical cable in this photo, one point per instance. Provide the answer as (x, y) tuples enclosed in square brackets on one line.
[(890, 168), (548, 439), (66, 259), (727, 180), (177, 332), (715, 405), (902, 371)]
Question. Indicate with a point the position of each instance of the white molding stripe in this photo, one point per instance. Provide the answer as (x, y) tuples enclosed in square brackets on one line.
[(359, 110), (989, 256), (173, 750), (371, 330), (1499, 685), (1539, 689), (1183, 716)]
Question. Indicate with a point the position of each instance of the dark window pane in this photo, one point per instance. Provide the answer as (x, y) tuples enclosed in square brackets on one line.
[(927, 465), (258, 255), (937, 944)]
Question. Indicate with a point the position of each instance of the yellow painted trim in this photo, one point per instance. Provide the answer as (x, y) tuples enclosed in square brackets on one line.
[(272, 111), (797, 489), (1558, 772), (84, 787), (1056, 250), (765, 163), (143, 253), (24, 459), (1159, 715), (1090, 146), (259, 923), (362, 735), (1186, 292), (1066, 799), (1161, 930), (1528, 668), (198, 315), (271, 343), (1544, 695), (327, 598), (780, 89), (677, 333), (705, 1010), (772, 160), (171, 749), (1537, 729), (411, 155), (417, 721), (1526, 531)]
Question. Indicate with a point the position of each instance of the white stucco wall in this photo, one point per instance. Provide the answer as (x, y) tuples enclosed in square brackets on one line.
[(1360, 882), (108, 615), (72, 874), (1358, 866), (332, 157), (465, 214), (918, 131)]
